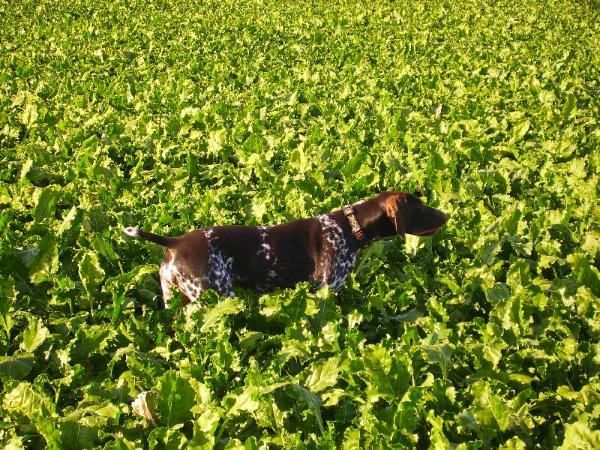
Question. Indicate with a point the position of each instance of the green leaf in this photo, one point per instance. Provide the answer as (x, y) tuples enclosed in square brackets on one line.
[(209, 420), (34, 335), (353, 165), (29, 115), (587, 274), (518, 276), (45, 262), (313, 402), (80, 432), (245, 401), (499, 292), (90, 272), (250, 340), (46, 203), (488, 252), (68, 220), (16, 367), (569, 106), (520, 130), (121, 284), (8, 294), (579, 436), (491, 410), (441, 354), (120, 444), (224, 308), (439, 441), (89, 340), (12, 441), (500, 411), (386, 373), (323, 375), (351, 439), (176, 398), (24, 400)]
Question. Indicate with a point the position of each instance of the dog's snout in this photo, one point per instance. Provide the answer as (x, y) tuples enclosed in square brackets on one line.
[(443, 217)]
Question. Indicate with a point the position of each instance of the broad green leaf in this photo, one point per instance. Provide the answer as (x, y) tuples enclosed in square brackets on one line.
[(25, 168), (440, 354), (518, 276), (224, 308), (124, 282), (520, 130), (46, 203), (245, 401), (166, 438), (569, 106), (12, 441), (439, 441), (492, 353), (323, 375), (89, 340), (500, 411), (579, 435), (80, 432), (24, 400), (499, 292), (209, 420), (8, 294), (34, 335), (250, 340), (412, 244), (16, 367), (29, 115), (313, 402), (251, 444), (120, 444), (386, 373), (492, 410), (175, 399), (68, 220), (353, 165), (514, 443), (488, 252), (351, 439), (45, 262), (587, 274), (91, 272)]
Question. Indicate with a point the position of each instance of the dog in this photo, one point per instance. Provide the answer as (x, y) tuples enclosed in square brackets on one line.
[(322, 250)]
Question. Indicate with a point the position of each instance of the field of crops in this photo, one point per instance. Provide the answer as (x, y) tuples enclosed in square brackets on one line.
[(172, 115)]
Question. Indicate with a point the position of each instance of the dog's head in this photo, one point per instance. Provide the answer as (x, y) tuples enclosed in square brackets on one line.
[(408, 214)]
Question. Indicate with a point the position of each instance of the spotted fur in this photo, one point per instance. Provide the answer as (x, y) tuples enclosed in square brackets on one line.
[(337, 259), (219, 275), (171, 277)]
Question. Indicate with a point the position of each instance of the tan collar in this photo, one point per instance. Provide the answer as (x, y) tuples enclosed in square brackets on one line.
[(357, 229)]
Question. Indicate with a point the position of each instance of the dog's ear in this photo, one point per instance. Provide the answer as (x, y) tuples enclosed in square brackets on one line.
[(396, 208)]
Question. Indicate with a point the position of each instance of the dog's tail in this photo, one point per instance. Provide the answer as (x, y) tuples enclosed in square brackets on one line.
[(160, 240)]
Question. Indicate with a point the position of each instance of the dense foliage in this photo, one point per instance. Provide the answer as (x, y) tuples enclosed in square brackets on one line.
[(171, 115)]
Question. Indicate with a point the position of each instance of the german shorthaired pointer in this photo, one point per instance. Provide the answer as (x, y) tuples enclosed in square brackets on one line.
[(320, 249)]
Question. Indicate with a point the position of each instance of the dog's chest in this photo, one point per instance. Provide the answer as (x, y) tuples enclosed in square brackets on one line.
[(337, 257)]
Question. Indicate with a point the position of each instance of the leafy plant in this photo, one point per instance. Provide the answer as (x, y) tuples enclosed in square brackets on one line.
[(175, 115)]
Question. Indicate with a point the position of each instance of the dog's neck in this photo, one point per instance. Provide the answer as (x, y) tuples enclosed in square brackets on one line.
[(373, 220)]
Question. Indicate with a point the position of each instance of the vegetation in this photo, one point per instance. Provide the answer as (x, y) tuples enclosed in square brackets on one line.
[(175, 115)]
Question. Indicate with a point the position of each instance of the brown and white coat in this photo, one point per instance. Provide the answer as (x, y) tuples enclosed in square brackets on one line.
[(322, 250)]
